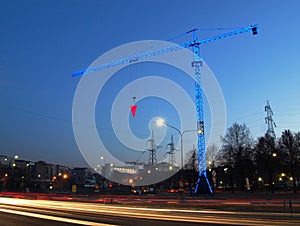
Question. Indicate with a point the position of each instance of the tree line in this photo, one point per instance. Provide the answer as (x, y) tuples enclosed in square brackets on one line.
[(265, 163)]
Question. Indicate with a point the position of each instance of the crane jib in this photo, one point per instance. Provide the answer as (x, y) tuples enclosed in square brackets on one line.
[(142, 56)]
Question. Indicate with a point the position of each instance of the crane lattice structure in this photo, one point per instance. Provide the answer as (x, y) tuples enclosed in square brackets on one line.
[(269, 121), (195, 45)]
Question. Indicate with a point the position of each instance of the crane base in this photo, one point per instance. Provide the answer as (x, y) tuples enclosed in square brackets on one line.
[(203, 186)]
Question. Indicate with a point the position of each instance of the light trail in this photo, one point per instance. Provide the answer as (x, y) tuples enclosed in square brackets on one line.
[(178, 215), (54, 218)]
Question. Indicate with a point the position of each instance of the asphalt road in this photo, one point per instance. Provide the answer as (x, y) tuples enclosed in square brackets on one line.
[(9, 219), (44, 212)]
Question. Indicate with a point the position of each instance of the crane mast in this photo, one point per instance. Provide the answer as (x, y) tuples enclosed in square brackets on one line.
[(197, 63)]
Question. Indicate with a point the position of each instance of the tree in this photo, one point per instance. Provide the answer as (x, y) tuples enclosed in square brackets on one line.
[(267, 157), (191, 166), (191, 160), (212, 156), (290, 145), (237, 154)]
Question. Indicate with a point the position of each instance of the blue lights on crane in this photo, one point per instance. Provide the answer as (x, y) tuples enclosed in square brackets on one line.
[(202, 183), (169, 49)]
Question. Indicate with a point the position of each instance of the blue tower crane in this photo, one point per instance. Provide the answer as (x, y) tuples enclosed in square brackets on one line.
[(203, 185)]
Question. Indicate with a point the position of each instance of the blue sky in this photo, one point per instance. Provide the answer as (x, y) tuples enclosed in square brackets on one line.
[(44, 42)]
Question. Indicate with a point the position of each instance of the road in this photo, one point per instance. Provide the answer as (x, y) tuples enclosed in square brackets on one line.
[(25, 212)]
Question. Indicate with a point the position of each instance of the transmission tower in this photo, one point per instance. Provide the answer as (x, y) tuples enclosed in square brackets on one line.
[(152, 160), (269, 121), (171, 153)]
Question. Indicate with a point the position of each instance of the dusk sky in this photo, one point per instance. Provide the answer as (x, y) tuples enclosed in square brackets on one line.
[(44, 42)]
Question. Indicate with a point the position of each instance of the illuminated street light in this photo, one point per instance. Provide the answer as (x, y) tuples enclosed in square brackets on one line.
[(274, 154), (161, 122)]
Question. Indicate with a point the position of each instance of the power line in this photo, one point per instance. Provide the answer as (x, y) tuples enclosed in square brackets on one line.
[(34, 113)]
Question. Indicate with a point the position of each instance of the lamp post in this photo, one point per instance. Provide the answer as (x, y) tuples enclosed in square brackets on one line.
[(102, 167), (161, 122)]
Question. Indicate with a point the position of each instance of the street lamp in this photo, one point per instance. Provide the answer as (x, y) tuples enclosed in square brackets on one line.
[(161, 122)]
